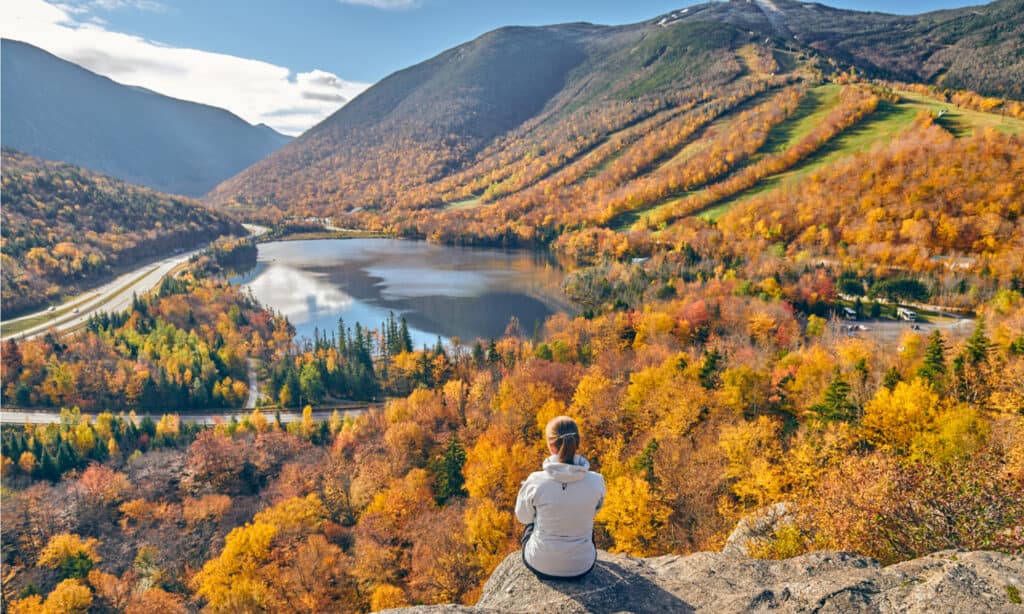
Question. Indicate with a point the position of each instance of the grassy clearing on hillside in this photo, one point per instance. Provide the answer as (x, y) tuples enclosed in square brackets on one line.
[(813, 108), (959, 121), (889, 120), (466, 203), (699, 141)]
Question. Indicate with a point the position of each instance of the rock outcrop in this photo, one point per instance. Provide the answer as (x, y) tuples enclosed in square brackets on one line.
[(758, 526), (949, 581)]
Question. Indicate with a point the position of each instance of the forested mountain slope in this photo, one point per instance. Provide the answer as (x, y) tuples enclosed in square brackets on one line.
[(64, 227), (516, 106), (60, 111)]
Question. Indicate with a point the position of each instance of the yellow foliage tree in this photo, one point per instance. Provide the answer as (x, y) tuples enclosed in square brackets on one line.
[(387, 596), (494, 471), (754, 454), (232, 581), (903, 421), (295, 516), (66, 546), (633, 514), (487, 532), (69, 597), (662, 394)]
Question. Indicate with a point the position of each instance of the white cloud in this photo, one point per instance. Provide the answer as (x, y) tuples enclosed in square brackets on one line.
[(142, 5), (258, 92), (388, 5)]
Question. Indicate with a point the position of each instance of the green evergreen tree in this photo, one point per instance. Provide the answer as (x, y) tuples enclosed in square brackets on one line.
[(64, 460), (836, 404), (493, 356), (447, 472), (77, 566), (708, 374), (645, 461), (971, 367), (48, 469), (405, 336), (978, 345), (892, 377), (934, 368)]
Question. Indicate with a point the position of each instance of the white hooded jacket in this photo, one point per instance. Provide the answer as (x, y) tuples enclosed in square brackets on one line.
[(561, 502)]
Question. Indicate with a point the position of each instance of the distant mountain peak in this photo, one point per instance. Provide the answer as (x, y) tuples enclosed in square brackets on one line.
[(58, 110)]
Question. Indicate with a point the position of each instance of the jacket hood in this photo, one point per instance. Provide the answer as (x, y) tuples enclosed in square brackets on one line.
[(564, 472)]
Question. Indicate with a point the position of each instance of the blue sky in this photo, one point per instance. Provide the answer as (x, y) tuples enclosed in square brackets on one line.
[(311, 54)]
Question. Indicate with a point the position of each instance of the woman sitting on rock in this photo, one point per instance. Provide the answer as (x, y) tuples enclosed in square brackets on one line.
[(557, 505)]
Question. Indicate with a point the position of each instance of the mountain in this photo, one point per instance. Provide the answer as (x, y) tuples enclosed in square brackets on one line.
[(976, 48), (57, 110), (488, 118), (65, 228)]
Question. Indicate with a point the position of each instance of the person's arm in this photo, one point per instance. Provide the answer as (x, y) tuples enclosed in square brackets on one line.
[(525, 511), (600, 500)]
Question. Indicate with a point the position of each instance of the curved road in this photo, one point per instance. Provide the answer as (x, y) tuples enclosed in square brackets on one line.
[(113, 296)]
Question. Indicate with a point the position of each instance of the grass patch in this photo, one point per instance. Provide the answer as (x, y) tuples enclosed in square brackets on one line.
[(331, 234), (1013, 594), (815, 107), (962, 122), (882, 126), (466, 203), (14, 328), (23, 325)]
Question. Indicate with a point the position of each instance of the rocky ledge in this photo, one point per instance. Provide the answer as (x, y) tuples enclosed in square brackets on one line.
[(949, 581)]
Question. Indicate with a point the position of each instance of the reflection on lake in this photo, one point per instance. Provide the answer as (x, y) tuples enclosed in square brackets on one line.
[(448, 291)]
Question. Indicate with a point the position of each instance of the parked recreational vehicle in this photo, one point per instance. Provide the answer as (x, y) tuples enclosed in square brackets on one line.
[(906, 314)]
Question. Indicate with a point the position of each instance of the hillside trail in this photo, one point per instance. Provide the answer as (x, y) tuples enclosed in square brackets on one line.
[(775, 16)]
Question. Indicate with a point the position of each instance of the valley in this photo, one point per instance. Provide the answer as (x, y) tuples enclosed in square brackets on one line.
[(768, 255)]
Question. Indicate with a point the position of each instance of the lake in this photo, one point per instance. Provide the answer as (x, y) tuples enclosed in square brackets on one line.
[(443, 291)]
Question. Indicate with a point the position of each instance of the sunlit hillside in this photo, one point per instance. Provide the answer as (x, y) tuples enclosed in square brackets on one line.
[(792, 243)]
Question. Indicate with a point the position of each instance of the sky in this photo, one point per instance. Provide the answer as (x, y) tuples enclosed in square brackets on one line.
[(291, 63)]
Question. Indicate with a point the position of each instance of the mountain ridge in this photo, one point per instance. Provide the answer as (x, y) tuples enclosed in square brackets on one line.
[(412, 140), (57, 110)]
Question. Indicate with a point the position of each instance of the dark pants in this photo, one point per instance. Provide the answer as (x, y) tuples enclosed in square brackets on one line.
[(527, 532)]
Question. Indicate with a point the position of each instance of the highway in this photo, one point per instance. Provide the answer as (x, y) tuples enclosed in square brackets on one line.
[(110, 297)]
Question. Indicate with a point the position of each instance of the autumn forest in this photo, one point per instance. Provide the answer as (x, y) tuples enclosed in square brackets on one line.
[(744, 226)]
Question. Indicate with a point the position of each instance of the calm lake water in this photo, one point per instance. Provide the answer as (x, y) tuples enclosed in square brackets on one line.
[(442, 291)]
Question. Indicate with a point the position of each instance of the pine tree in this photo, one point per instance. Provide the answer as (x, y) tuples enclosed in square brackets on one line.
[(342, 339), (406, 337), (934, 368), (836, 404), (708, 375), (892, 377), (978, 345), (64, 461), (971, 368), (48, 468), (645, 461), (876, 310), (447, 470)]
